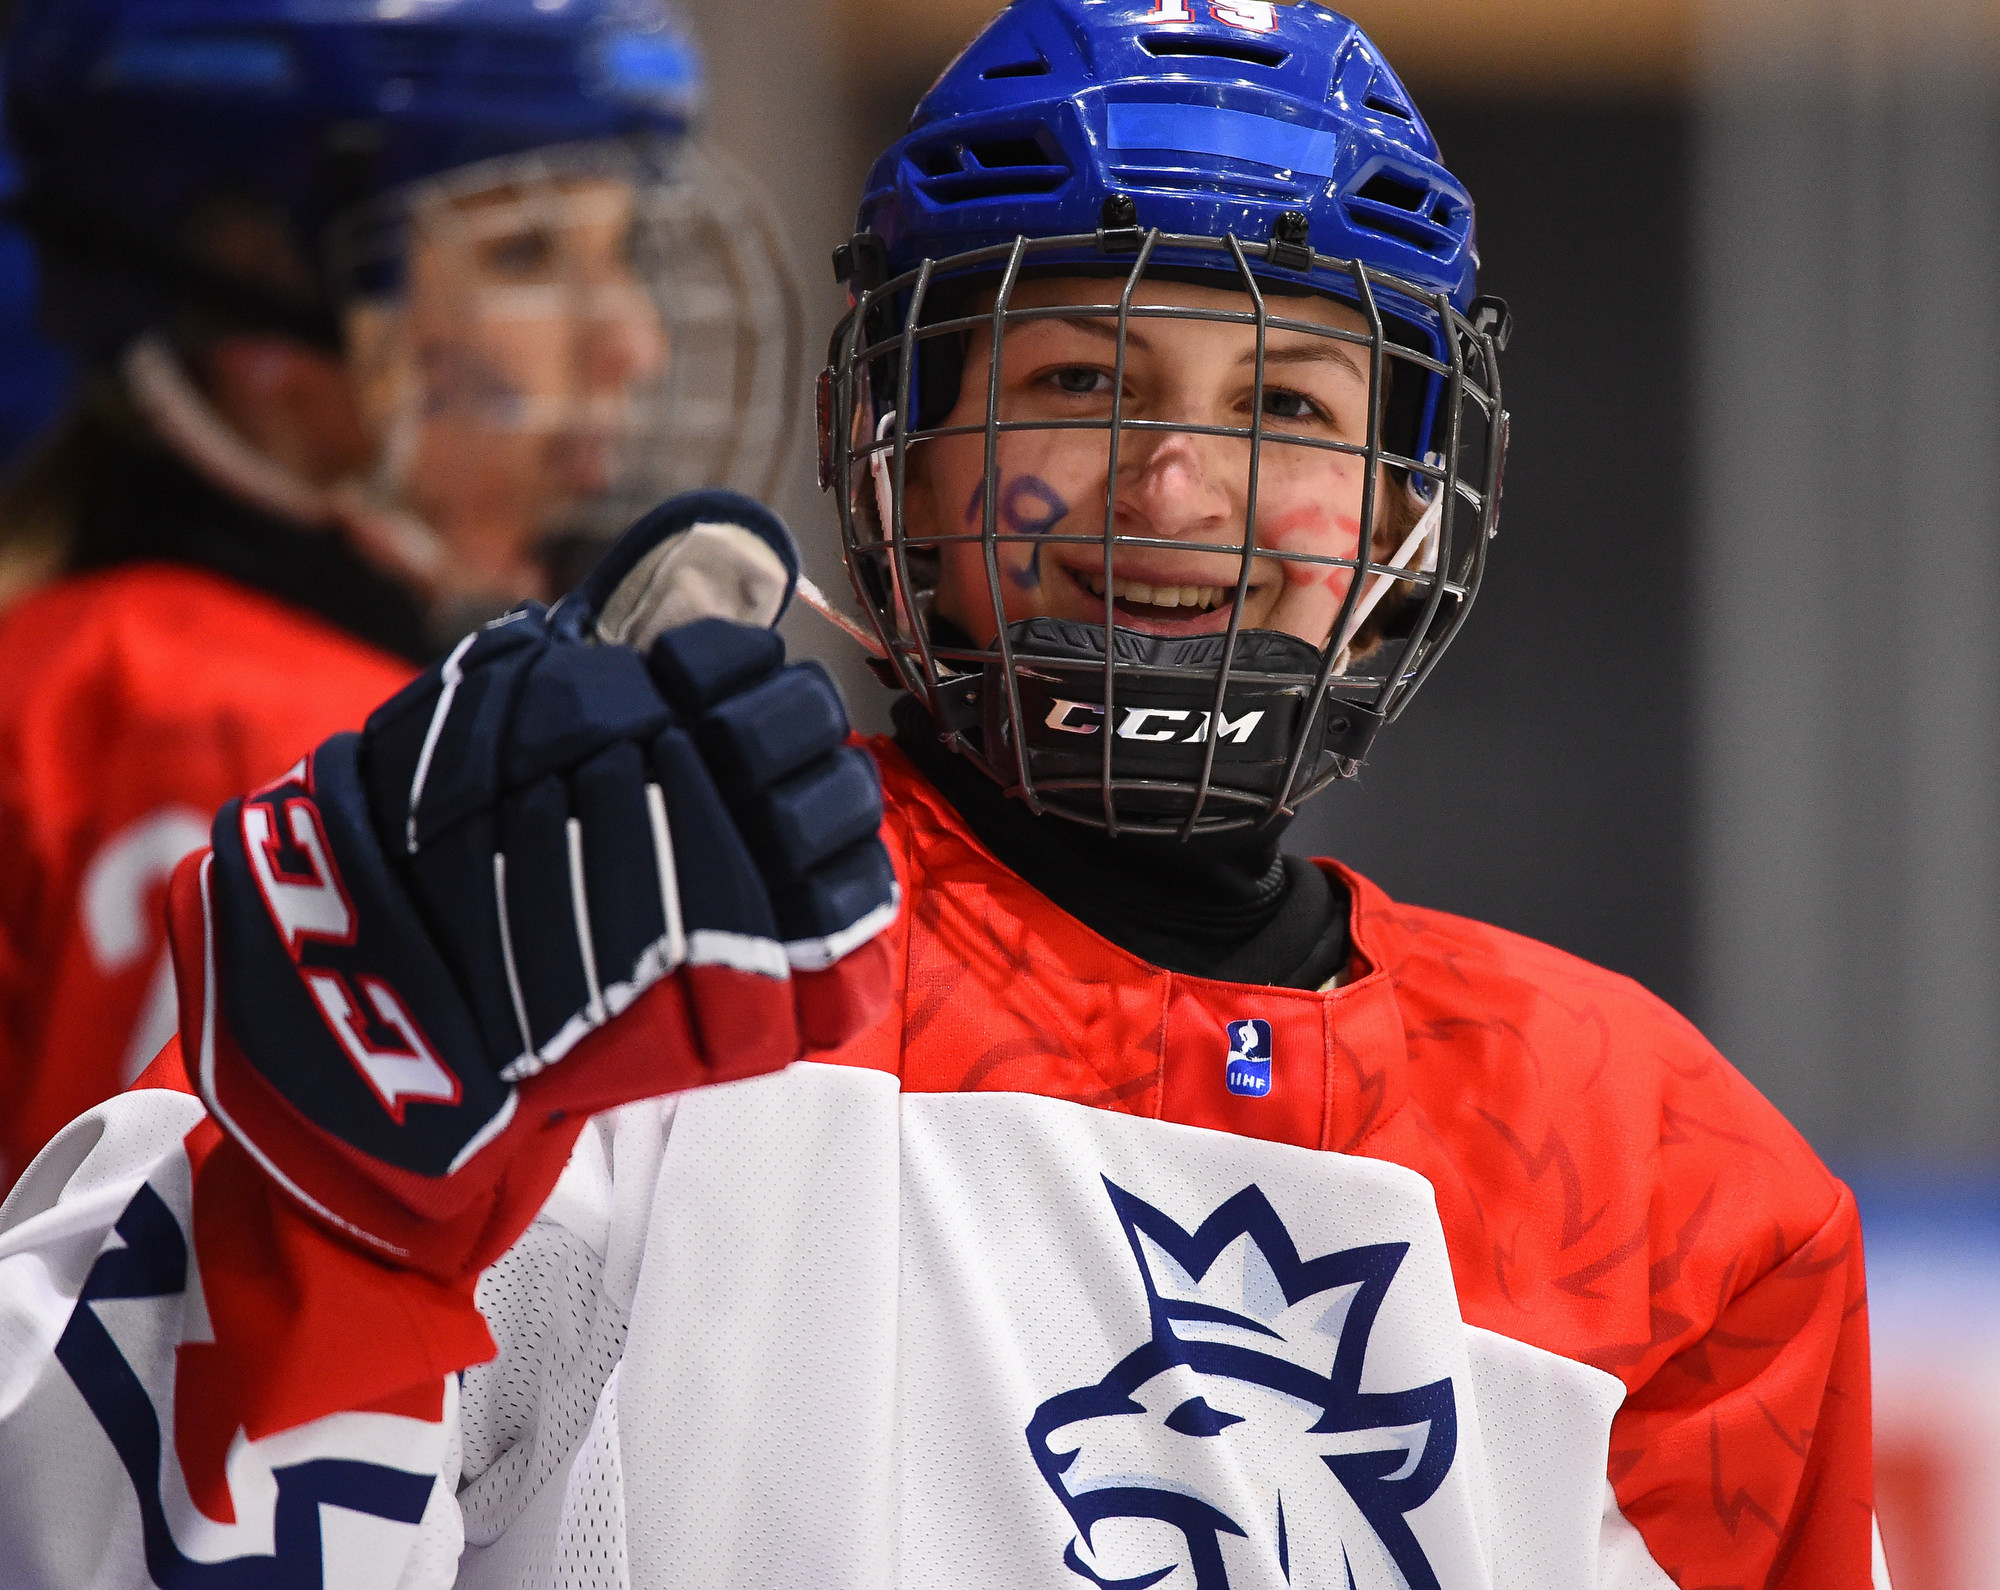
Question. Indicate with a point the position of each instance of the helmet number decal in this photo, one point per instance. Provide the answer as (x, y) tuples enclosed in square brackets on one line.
[(1258, 16)]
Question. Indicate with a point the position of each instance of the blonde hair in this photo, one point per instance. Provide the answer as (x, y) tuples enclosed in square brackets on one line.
[(41, 501)]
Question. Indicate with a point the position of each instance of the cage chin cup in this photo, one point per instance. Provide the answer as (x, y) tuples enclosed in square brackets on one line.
[(1161, 722)]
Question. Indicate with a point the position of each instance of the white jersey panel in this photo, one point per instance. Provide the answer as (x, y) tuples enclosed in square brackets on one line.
[(757, 1399), (1552, 1518), (559, 1305), (1120, 1343), (56, 1467), (807, 1330), (997, 1340)]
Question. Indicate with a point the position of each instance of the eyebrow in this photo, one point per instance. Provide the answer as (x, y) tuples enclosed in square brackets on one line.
[(1107, 328), (1317, 351), (1314, 352)]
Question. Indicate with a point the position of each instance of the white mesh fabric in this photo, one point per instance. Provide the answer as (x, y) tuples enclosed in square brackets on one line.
[(558, 1303), (1624, 1561), (526, 1410), (757, 1399), (590, 1542), (857, 1300), (117, 1142)]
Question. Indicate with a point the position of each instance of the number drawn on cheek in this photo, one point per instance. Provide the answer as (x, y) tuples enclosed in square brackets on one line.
[(464, 385), (1029, 506)]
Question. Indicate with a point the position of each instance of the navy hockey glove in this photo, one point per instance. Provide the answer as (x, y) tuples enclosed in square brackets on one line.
[(601, 853)]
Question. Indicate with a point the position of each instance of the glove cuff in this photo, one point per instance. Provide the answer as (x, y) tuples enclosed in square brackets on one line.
[(445, 1227)]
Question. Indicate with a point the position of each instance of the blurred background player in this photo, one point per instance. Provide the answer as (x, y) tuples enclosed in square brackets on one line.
[(383, 321)]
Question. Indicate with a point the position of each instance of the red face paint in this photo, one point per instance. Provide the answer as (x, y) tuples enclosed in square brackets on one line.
[(1313, 531)]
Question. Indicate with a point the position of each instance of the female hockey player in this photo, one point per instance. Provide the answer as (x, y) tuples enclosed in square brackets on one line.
[(380, 329), (1144, 1208)]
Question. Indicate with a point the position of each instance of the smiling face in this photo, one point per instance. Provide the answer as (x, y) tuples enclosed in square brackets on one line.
[(1184, 492)]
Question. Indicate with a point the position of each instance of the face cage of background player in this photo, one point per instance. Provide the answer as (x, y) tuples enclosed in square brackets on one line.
[(1329, 701), (704, 278)]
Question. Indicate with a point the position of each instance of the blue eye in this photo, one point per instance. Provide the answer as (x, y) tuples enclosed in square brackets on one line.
[(1196, 1417)]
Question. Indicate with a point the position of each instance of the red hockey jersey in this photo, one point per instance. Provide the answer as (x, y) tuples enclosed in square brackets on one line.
[(1481, 1269), (133, 703), (1610, 1189)]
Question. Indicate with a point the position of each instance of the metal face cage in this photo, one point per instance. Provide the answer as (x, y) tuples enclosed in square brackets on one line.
[(1102, 722), (509, 357)]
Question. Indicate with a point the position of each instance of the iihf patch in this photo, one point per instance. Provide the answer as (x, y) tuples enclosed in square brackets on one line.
[(1248, 1069)]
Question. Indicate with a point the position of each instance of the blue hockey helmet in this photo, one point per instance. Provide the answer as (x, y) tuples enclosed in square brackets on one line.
[(1190, 117), (1265, 148), (127, 114), (34, 375)]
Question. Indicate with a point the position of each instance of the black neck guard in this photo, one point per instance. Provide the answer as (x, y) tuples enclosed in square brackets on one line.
[(142, 504), (1227, 906)]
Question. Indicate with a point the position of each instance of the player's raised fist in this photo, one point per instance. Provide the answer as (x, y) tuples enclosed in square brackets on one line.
[(603, 852)]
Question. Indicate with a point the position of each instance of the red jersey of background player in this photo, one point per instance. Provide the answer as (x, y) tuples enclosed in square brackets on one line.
[(136, 701)]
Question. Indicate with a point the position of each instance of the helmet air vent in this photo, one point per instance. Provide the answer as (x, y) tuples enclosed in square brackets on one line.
[(1038, 67), (1163, 45), (1383, 188), (1363, 83), (1385, 99), (1410, 212), (994, 166)]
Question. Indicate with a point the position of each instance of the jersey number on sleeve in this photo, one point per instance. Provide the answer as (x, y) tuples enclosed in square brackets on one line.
[(122, 880)]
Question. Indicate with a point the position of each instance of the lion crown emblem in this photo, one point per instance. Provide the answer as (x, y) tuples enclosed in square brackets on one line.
[(1236, 1447)]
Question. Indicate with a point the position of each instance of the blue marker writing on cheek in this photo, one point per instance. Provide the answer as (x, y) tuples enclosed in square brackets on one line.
[(1029, 506)]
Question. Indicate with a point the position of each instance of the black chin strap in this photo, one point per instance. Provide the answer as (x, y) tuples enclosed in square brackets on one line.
[(1225, 906)]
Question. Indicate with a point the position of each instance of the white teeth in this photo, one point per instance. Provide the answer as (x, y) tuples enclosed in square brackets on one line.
[(1138, 592)]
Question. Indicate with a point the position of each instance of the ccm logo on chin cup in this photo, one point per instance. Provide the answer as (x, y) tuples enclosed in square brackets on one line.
[(1156, 725)]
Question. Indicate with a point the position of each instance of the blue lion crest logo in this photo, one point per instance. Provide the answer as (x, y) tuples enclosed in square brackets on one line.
[(1237, 1444)]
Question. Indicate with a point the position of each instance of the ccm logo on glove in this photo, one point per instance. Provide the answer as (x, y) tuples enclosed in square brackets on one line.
[(296, 874)]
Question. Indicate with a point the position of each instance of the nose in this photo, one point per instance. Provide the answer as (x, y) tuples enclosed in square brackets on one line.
[(624, 338), (1175, 488)]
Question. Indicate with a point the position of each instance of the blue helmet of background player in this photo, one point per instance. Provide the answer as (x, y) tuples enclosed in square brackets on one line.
[(34, 375), (360, 144), (1266, 149), (128, 114)]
